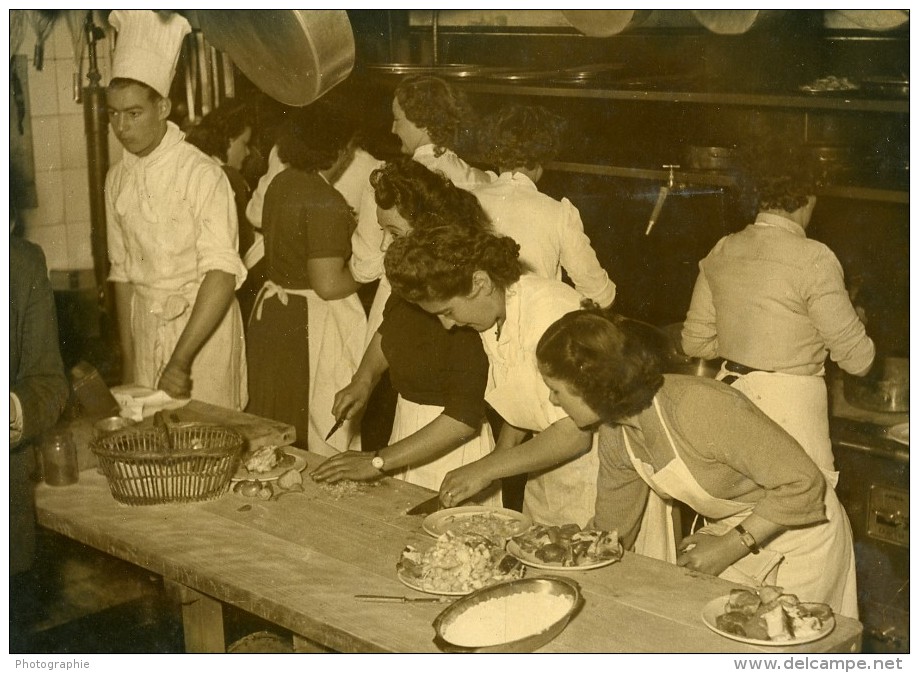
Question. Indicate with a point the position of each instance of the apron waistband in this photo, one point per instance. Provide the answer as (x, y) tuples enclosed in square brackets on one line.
[(739, 370), (272, 289)]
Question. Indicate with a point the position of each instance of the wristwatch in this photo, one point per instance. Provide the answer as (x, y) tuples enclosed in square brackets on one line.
[(377, 461), (747, 539)]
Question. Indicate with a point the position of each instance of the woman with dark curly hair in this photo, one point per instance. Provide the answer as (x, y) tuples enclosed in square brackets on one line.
[(439, 374), (770, 516), (406, 190), (471, 278), (306, 330), (520, 139), (428, 114), (774, 304)]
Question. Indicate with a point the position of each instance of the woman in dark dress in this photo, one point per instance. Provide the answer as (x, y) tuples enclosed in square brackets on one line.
[(307, 227)]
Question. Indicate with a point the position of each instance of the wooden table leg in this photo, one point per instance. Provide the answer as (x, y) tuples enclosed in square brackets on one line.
[(202, 620)]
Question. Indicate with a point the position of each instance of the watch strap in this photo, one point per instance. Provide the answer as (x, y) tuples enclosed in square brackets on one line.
[(747, 539)]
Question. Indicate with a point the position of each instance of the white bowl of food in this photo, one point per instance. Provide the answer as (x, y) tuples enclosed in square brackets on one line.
[(515, 616)]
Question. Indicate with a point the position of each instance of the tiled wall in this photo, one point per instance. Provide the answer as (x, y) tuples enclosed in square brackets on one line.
[(61, 222)]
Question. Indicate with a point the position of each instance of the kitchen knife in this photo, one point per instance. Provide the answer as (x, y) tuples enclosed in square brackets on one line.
[(371, 598), (335, 427), (427, 507)]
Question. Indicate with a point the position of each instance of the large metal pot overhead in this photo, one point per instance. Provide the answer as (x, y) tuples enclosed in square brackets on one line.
[(605, 22), (293, 55), (736, 21)]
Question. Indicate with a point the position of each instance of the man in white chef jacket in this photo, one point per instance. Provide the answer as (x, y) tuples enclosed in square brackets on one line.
[(172, 229)]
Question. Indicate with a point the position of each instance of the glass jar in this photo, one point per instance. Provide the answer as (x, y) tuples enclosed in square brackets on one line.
[(58, 454)]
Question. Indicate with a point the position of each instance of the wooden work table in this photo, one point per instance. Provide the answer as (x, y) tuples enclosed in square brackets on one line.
[(299, 560)]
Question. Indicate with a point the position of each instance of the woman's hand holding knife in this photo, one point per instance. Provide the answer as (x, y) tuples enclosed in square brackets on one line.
[(350, 464)]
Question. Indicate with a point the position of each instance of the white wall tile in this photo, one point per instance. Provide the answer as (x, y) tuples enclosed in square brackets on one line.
[(73, 142), (50, 188), (53, 240), (66, 104), (42, 89), (79, 244), (27, 46), (76, 195), (61, 37), (46, 143)]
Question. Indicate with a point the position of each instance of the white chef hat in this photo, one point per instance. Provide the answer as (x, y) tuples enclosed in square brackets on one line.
[(148, 46)]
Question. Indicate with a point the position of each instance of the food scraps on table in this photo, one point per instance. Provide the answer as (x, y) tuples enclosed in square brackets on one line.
[(568, 546), (459, 564), (768, 614), (267, 458), (290, 481), (346, 487)]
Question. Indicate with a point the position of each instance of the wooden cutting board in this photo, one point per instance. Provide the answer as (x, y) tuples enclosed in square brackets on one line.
[(257, 430)]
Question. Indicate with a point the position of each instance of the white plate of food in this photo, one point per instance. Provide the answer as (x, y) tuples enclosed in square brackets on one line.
[(418, 585), (573, 549), (495, 523), (899, 433), (268, 470), (456, 565), (781, 625)]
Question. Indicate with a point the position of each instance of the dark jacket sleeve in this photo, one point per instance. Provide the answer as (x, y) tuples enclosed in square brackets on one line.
[(36, 368)]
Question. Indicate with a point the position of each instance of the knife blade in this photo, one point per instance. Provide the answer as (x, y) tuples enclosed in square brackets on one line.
[(335, 427), (428, 506), (372, 598)]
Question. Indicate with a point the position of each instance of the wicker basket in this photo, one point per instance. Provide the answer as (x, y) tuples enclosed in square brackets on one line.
[(142, 470)]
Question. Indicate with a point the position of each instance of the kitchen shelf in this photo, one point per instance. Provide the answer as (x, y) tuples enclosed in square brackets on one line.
[(687, 177), (720, 180), (865, 194), (833, 101)]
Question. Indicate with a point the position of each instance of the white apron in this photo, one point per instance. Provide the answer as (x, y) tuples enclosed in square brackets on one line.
[(817, 563), (336, 346), (799, 405), (375, 315), (218, 373), (409, 418), (559, 495)]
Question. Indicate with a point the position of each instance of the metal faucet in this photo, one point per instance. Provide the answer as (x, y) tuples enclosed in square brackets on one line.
[(661, 197)]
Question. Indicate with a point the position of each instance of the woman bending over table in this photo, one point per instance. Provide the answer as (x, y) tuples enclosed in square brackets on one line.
[(471, 278), (439, 374), (770, 517)]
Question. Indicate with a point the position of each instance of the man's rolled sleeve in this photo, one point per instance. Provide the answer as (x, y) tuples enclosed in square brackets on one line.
[(218, 233)]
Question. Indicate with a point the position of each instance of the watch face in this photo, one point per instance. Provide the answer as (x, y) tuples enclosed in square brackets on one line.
[(377, 462)]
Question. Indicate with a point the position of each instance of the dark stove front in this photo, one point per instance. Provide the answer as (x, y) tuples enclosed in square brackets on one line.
[(874, 489)]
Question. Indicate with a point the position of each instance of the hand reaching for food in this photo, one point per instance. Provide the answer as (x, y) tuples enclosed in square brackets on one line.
[(462, 483)]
